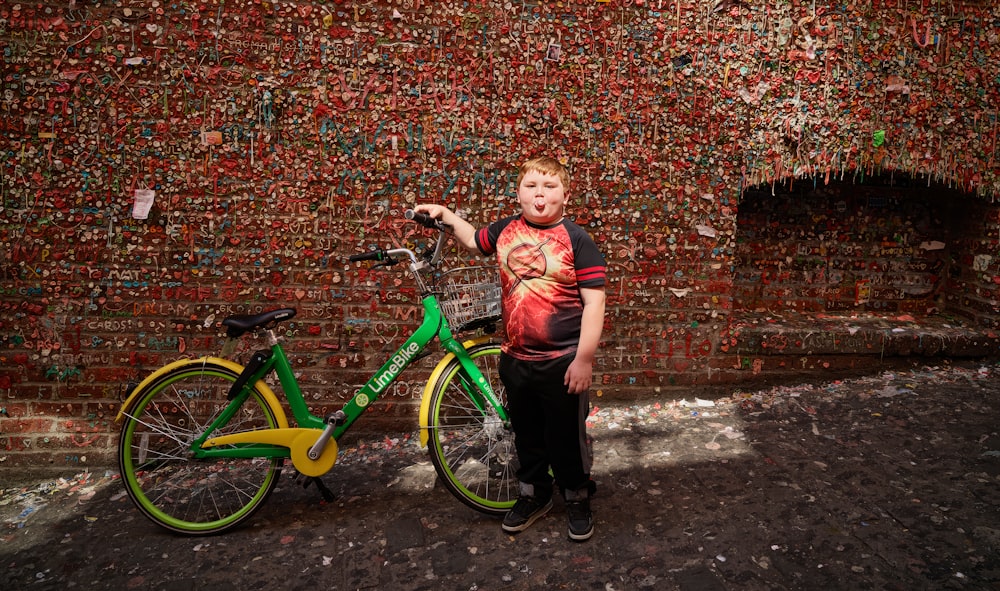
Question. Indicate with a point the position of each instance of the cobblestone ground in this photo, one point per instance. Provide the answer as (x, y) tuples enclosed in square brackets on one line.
[(885, 482)]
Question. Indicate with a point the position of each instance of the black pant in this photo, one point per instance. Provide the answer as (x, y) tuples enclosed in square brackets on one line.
[(550, 428)]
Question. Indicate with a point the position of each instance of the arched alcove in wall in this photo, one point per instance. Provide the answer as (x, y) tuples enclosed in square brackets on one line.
[(887, 246), (861, 272)]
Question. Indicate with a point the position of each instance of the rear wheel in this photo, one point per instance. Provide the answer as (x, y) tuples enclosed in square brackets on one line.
[(472, 449), (160, 473)]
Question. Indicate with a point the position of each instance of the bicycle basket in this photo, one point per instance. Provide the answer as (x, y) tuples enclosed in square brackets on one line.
[(471, 297)]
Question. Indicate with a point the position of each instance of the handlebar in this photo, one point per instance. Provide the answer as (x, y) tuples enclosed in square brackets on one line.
[(374, 255), (433, 256), (424, 220)]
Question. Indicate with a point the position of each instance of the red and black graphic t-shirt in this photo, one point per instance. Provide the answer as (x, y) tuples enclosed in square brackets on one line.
[(541, 272)]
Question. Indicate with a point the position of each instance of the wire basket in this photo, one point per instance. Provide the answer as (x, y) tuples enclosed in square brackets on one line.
[(471, 297)]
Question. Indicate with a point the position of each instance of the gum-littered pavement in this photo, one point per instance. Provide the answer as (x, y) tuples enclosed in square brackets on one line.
[(883, 482)]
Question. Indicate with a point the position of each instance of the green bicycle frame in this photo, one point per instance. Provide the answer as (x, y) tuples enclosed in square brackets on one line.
[(434, 324)]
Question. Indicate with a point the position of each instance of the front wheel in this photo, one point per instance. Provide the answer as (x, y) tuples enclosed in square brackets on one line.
[(472, 449), (160, 473)]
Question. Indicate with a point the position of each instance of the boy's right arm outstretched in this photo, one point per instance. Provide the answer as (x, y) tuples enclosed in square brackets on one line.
[(464, 232)]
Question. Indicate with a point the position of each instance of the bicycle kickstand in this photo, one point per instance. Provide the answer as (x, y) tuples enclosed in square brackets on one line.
[(305, 481)]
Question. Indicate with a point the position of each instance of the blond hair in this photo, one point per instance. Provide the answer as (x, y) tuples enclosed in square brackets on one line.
[(545, 165)]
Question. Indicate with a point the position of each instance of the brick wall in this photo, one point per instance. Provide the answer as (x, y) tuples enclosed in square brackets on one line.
[(277, 138), (974, 277), (851, 276), (886, 246), (889, 247)]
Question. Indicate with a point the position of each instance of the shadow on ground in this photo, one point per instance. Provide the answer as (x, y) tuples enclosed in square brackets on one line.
[(886, 482)]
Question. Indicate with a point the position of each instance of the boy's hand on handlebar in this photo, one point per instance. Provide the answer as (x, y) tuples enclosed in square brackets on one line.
[(432, 209), (429, 216), (450, 221), (438, 212), (422, 218)]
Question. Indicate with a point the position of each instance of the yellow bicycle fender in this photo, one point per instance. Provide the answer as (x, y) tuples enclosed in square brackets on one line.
[(264, 389), (425, 401)]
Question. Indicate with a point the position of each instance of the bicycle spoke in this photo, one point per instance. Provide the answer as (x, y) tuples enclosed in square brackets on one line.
[(162, 475), (472, 449), (161, 431)]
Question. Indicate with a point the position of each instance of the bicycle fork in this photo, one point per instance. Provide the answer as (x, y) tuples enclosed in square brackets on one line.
[(476, 386)]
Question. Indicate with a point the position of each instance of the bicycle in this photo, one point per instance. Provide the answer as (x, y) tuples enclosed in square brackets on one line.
[(203, 441)]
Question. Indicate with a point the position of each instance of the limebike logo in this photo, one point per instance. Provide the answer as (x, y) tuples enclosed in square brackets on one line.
[(399, 361)]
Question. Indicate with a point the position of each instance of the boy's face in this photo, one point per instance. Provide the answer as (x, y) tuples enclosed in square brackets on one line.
[(543, 198)]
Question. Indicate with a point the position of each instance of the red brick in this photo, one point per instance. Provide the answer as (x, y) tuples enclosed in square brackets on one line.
[(14, 410), (25, 425)]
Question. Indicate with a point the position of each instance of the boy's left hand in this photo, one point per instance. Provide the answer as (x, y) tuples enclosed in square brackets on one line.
[(579, 376)]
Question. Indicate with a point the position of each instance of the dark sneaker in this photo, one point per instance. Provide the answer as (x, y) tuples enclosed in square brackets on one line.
[(525, 511), (581, 520)]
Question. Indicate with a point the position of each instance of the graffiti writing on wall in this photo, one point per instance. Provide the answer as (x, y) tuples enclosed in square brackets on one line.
[(166, 165)]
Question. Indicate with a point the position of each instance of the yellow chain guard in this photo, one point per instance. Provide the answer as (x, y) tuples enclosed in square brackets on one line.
[(297, 440), (300, 454)]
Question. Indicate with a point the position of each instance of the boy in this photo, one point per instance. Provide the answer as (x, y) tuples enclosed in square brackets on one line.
[(552, 278)]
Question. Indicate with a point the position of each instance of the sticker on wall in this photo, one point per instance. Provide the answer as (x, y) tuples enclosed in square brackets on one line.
[(863, 292), (143, 202), (554, 52), (705, 230), (211, 138)]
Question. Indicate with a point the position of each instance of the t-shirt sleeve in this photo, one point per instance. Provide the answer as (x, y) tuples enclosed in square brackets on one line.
[(591, 269), (486, 238)]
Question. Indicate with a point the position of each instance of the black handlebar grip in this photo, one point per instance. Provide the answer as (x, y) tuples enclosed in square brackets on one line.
[(375, 255), (422, 219)]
